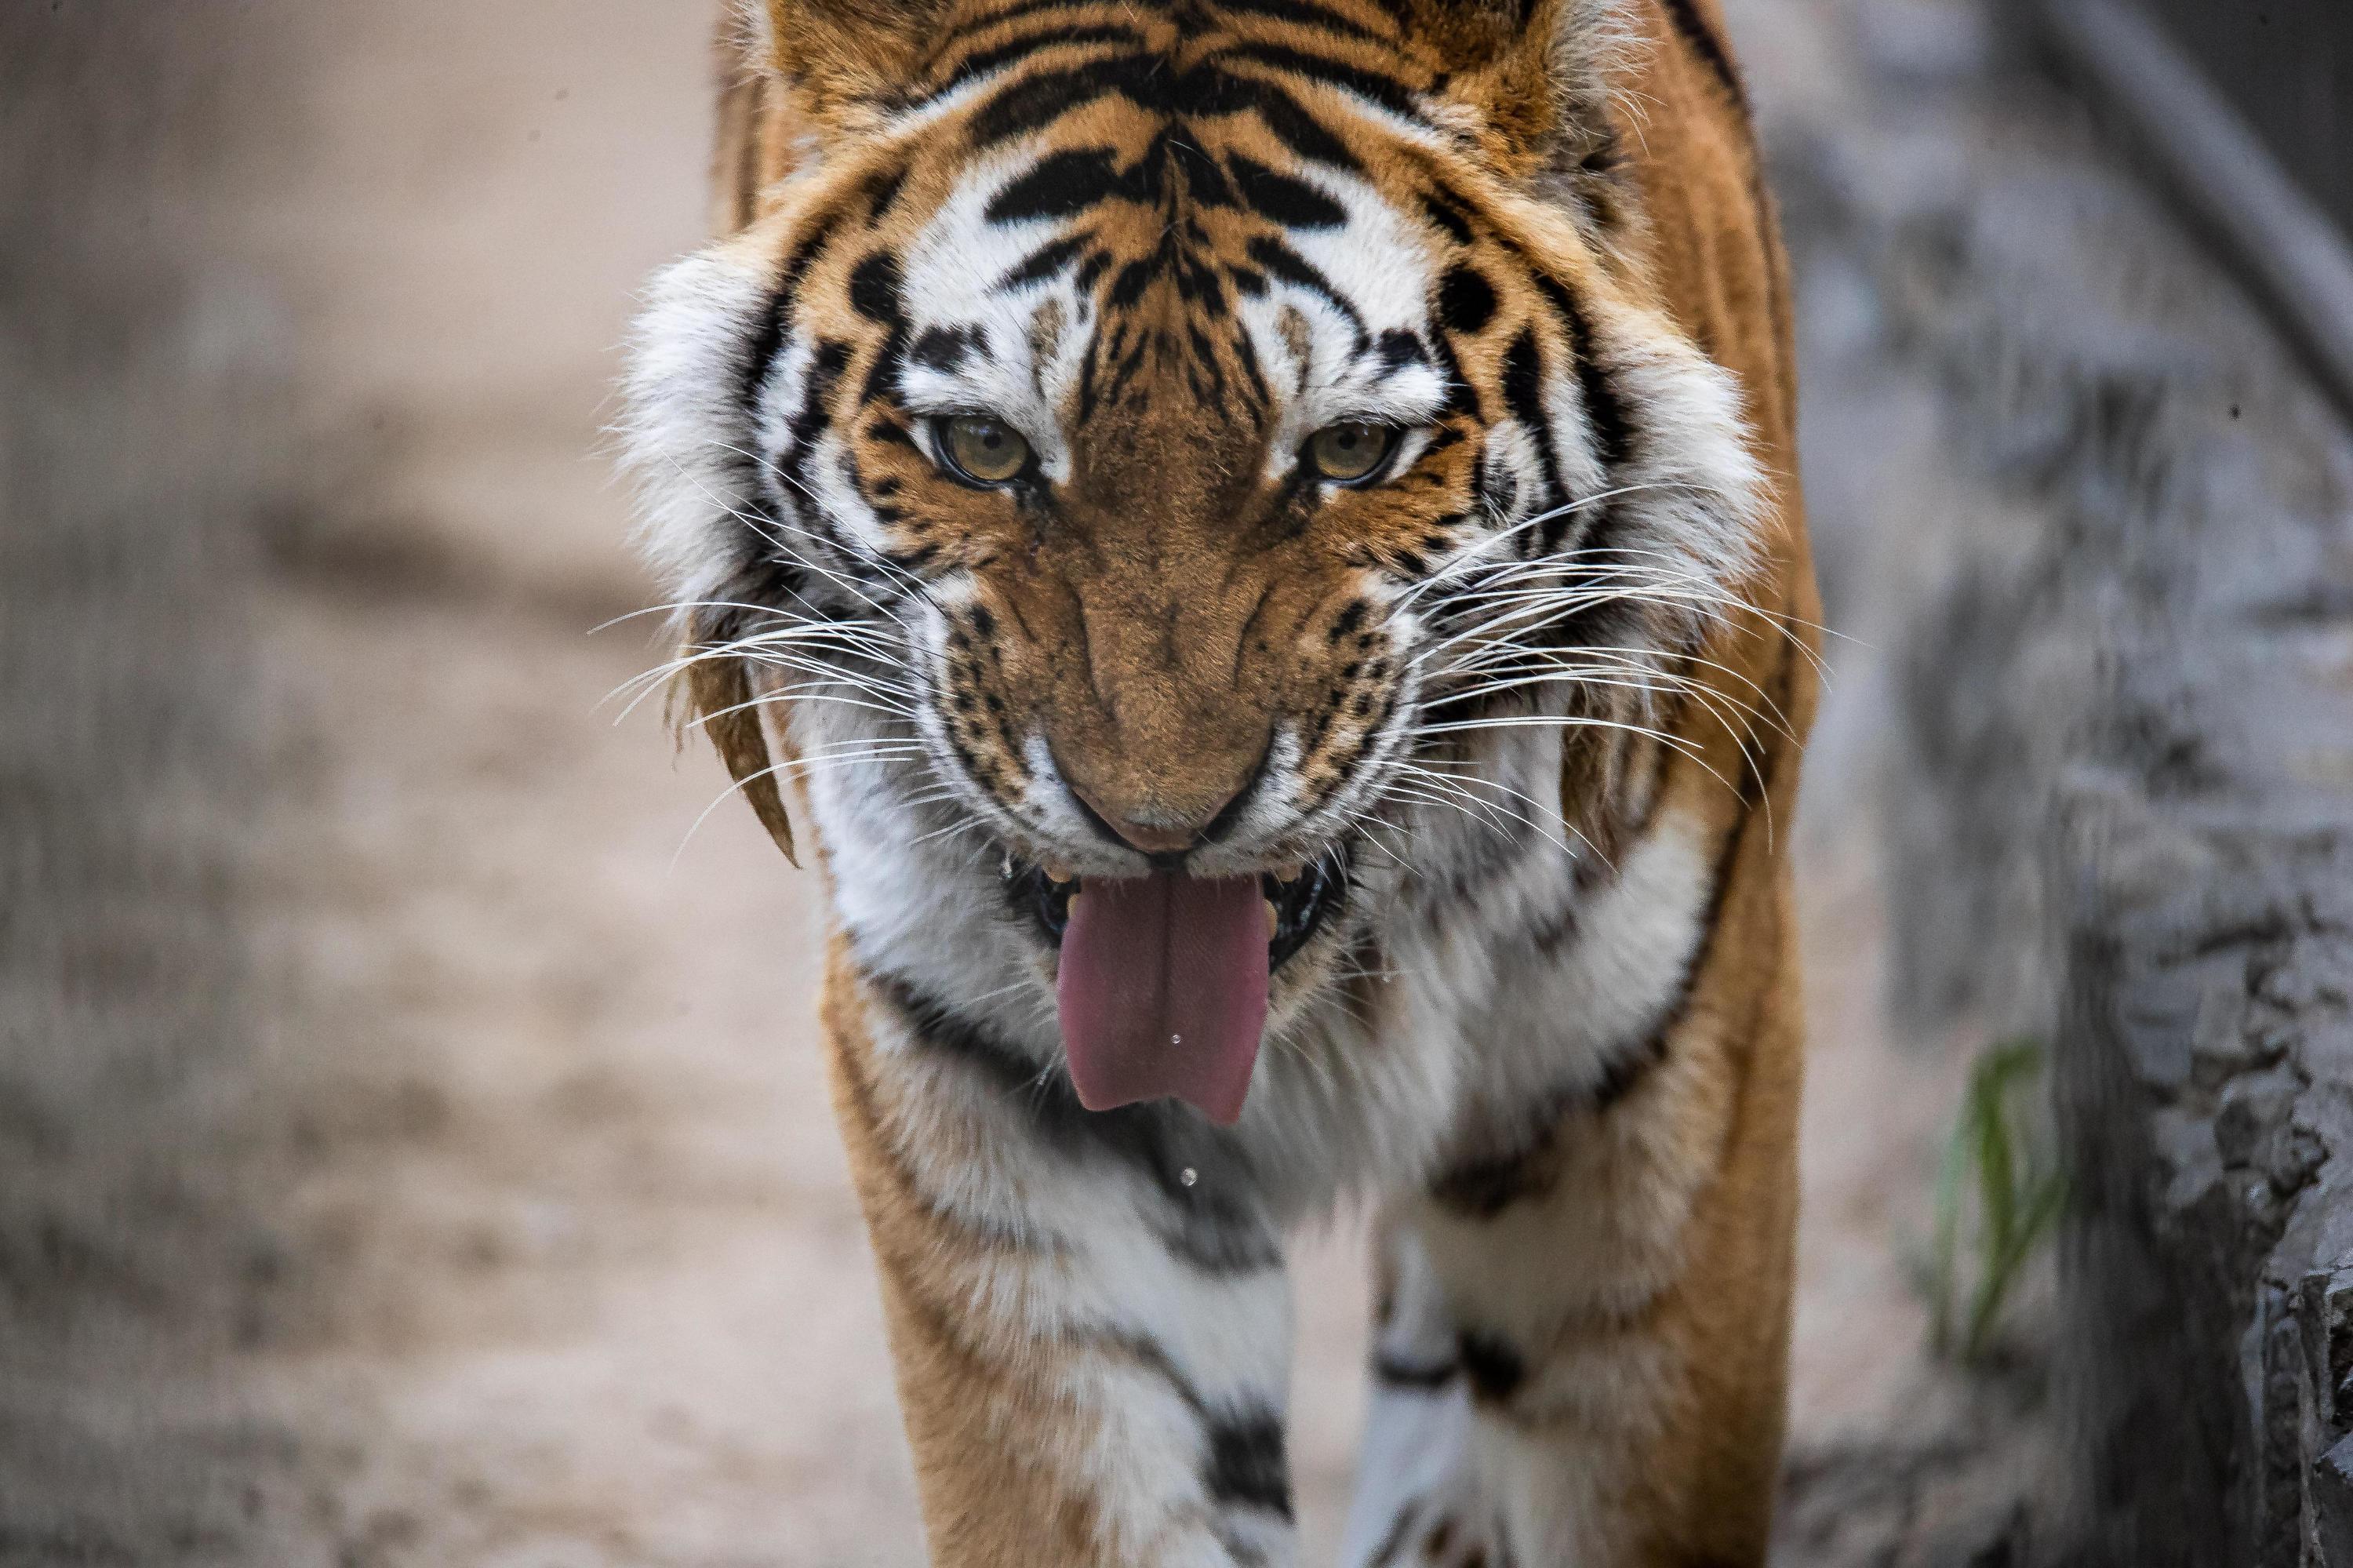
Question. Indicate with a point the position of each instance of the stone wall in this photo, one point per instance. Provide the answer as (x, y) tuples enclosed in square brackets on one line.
[(2132, 777), (2120, 808)]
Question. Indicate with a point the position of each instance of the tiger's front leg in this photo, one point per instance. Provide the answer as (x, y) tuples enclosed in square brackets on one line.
[(1582, 1344), (1089, 1311)]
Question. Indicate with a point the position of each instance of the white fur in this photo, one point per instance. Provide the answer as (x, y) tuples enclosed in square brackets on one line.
[(682, 416)]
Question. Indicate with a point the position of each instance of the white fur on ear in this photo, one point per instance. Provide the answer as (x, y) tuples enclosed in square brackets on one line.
[(686, 434), (1596, 46), (1704, 505), (752, 31)]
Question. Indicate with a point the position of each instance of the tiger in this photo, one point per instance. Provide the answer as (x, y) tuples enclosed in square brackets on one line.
[(1258, 542)]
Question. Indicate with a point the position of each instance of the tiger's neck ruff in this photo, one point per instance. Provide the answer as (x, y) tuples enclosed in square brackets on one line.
[(1256, 533)]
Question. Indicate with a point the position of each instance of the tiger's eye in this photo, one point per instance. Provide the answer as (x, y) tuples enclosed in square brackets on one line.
[(985, 451), (1349, 451)]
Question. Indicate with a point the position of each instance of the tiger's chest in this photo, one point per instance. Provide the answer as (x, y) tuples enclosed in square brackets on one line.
[(1549, 981), (1519, 967)]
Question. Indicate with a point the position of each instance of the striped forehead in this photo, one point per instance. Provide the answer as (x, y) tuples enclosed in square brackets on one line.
[(1058, 255), (1006, 312)]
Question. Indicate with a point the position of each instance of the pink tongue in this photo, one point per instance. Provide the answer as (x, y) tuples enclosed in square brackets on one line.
[(1162, 991)]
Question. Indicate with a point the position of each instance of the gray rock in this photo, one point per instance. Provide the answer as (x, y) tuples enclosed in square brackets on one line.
[(2121, 817)]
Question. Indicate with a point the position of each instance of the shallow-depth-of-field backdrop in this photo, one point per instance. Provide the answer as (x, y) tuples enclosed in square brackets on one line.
[(412, 1147)]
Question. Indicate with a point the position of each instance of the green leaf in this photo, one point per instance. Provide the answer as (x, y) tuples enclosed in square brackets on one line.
[(2018, 1197)]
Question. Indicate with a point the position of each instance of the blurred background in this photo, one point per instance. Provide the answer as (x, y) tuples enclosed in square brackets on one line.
[(413, 1145)]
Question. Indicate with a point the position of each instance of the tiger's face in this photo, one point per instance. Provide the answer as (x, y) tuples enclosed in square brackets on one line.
[(1182, 428)]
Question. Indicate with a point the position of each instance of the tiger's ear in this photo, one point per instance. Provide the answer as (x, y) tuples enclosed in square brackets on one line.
[(1534, 76), (718, 696), (841, 59)]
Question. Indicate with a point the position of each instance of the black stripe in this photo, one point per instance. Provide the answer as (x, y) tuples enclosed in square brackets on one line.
[(804, 255), (1147, 80), (1462, 397), (1622, 1073), (1292, 203), (1089, 393), (1176, 149), (1390, 1372), (1298, 130), (1400, 348), (1494, 488), (760, 350), (1448, 216), (1612, 424), (1246, 1464), (1129, 285), (1384, 91), (1483, 1188), (1213, 1225), (874, 288), (1139, 1347), (1066, 184), (1611, 421), (944, 348), (881, 193), (981, 62), (876, 293), (859, 1088), (1300, 12), (1015, 13), (1604, 156), (1201, 366), (1524, 396), (1204, 90), (1495, 1366), (789, 489), (1246, 1467), (1289, 265), (1045, 261), (1037, 102), (1466, 301), (1247, 357), (1701, 40), (768, 338), (1393, 1543)]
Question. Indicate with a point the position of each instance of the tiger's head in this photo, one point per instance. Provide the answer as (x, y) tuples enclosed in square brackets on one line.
[(1173, 432)]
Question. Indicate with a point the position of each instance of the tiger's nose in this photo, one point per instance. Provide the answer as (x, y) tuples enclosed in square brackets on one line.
[(1164, 829)]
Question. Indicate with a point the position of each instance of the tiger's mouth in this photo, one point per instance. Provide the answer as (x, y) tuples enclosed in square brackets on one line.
[(1162, 981), (1299, 906)]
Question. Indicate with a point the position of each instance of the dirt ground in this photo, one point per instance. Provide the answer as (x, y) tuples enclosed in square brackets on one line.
[(429, 1160)]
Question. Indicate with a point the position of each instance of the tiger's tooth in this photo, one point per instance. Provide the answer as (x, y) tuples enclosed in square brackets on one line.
[(1057, 873), (1273, 919), (1292, 872)]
